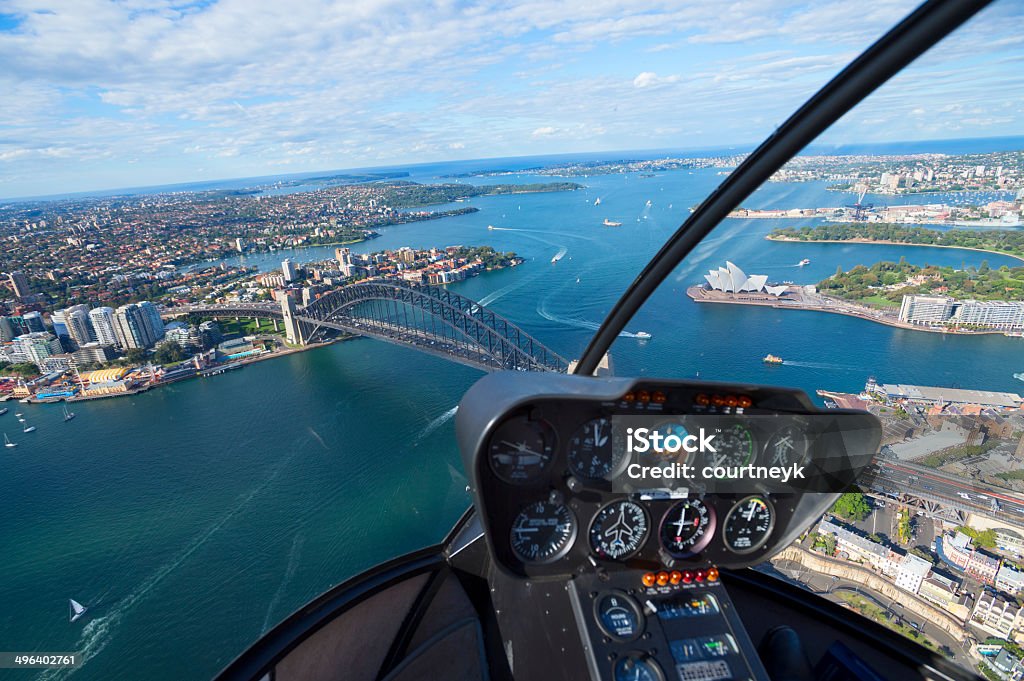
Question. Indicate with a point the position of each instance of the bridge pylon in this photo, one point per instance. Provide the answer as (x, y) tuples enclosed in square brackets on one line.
[(293, 330)]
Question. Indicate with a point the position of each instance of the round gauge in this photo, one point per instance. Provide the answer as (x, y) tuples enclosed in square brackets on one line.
[(748, 525), (687, 528), (734, 446), (637, 667), (543, 532), (521, 449), (618, 530), (679, 430), (787, 446), (591, 455), (619, 616)]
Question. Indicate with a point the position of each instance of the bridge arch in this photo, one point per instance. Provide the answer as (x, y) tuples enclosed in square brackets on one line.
[(433, 319)]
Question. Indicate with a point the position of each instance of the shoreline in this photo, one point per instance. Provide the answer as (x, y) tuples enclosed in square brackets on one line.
[(861, 240), (238, 364), (851, 310)]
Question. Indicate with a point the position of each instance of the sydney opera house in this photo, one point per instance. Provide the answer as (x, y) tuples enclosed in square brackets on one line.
[(731, 279)]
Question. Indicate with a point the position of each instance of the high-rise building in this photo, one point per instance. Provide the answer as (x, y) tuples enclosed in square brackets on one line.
[(60, 328), (19, 284), (103, 325), (34, 322), (7, 331), (37, 346), (344, 257), (154, 325), (131, 324), (240, 245), (79, 325), (290, 270)]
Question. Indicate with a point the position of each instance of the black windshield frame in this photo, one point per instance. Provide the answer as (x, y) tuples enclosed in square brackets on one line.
[(901, 45)]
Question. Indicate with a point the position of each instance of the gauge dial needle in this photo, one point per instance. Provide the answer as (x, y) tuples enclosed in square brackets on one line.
[(521, 448), (751, 507), (599, 439), (682, 522)]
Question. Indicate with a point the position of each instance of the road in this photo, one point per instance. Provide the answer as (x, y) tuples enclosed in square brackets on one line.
[(894, 478), (827, 586)]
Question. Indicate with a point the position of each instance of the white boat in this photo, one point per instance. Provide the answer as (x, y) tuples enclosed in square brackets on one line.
[(21, 420), (68, 415), (8, 443), (75, 609), (28, 429), (597, 201), (642, 335), (18, 414), (3, 411), (805, 261)]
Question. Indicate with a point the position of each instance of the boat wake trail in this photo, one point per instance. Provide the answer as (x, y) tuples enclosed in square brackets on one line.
[(97, 633), (437, 423), (504, 290), (289, 571), (543, 311), (561, 254), (1019, 377), (820, 365)]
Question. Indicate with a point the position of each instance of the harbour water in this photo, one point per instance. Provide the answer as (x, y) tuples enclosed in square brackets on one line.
[(192, 518)]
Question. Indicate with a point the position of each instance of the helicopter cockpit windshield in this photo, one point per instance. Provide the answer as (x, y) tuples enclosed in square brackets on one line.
[(777, 493)]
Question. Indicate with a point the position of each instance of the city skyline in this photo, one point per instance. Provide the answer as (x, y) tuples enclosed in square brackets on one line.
[(107, 96)]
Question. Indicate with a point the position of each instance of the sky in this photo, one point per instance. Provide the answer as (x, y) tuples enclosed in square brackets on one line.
[(97, 94)]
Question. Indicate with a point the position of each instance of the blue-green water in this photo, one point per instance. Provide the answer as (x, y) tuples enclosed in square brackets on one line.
[(192, 518)]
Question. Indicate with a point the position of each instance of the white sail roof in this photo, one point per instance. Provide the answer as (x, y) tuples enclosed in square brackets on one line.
[(732, 279)]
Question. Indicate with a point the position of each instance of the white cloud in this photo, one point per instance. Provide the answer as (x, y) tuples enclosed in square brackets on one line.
[(652, 79), (545, 131)]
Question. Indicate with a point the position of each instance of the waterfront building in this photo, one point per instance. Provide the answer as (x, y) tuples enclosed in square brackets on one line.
[(240, 245), (19, 284), (290, 270), (996, 614), (930, 395), (911, 572), (33, 322), (928, 310), (102, 319), (37, 346), (943, 310), (94, 353), (731, 279)]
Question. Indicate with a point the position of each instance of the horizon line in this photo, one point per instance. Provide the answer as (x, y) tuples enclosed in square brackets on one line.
[(736, 148)]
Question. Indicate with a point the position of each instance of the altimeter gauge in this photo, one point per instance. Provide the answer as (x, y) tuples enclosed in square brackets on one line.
[(618, 530), (543, 532)]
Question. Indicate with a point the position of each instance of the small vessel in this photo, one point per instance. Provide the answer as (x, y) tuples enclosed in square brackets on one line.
[(490, 227), (8, 443), (3, 411), (643, 335), (558, 256), (27, 428), (597, 201), (648, 203), (68, 415), (577, 280), (805, 261), (75, 609), (18, 414), (21, 420), (611, 223), (772, 359)]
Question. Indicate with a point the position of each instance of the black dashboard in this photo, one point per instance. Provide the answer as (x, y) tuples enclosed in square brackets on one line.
[(543, 456)]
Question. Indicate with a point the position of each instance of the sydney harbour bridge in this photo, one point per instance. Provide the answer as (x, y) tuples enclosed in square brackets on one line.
[(431, 319)]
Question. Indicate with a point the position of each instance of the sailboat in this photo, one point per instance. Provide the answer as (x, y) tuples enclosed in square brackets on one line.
[(75, 609), (8, 443), (68, 415)]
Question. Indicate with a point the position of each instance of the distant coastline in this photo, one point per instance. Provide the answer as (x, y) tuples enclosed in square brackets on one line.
[(861, 240)]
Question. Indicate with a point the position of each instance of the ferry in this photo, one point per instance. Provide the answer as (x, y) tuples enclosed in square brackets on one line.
[(772, 359), (611, 223), (643, 335)]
